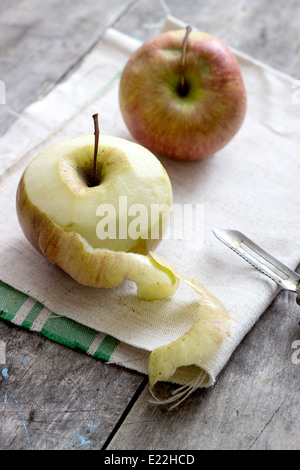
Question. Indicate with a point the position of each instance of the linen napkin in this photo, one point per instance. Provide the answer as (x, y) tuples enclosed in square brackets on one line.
[(251, 185)]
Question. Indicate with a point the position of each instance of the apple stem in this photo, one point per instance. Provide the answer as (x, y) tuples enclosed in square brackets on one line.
[(96, 127), (183, 88)]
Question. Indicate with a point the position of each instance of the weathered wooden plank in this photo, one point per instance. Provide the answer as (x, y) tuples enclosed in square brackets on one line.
[(50, 396), (55, 398), (253, 405), (268, 31), (41, 42)]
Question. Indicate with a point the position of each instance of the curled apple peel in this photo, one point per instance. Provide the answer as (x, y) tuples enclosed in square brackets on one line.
[(189, 355)]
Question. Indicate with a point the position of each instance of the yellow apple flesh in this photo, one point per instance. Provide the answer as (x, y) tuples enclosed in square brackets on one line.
[(57, 210)]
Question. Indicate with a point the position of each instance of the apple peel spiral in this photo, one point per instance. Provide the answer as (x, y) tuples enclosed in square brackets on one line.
[(188, 355)]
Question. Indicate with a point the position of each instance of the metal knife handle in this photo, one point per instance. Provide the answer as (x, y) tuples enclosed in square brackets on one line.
[(260, 259)]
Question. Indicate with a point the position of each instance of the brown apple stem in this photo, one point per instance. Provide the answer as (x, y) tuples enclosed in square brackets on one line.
[(96, 127), (182, 64)]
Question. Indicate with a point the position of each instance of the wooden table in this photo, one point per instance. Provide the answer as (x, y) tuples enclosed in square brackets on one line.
[(64, 399)]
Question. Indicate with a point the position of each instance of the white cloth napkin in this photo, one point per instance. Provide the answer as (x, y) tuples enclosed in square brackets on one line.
[(251, 185)]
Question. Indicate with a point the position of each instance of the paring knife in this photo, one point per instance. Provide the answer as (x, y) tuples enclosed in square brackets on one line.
[(260, 259)]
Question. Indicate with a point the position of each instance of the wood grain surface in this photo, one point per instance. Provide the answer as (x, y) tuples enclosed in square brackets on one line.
[(56, 398)]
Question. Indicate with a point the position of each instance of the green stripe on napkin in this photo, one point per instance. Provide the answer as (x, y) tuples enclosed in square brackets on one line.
[(22, 310), (10, 301)]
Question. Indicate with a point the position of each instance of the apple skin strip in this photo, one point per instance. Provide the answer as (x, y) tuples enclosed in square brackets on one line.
[(92, 266), (196, 347)]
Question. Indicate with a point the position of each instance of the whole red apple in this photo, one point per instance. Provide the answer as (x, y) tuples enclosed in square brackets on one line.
[(182, 94)]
